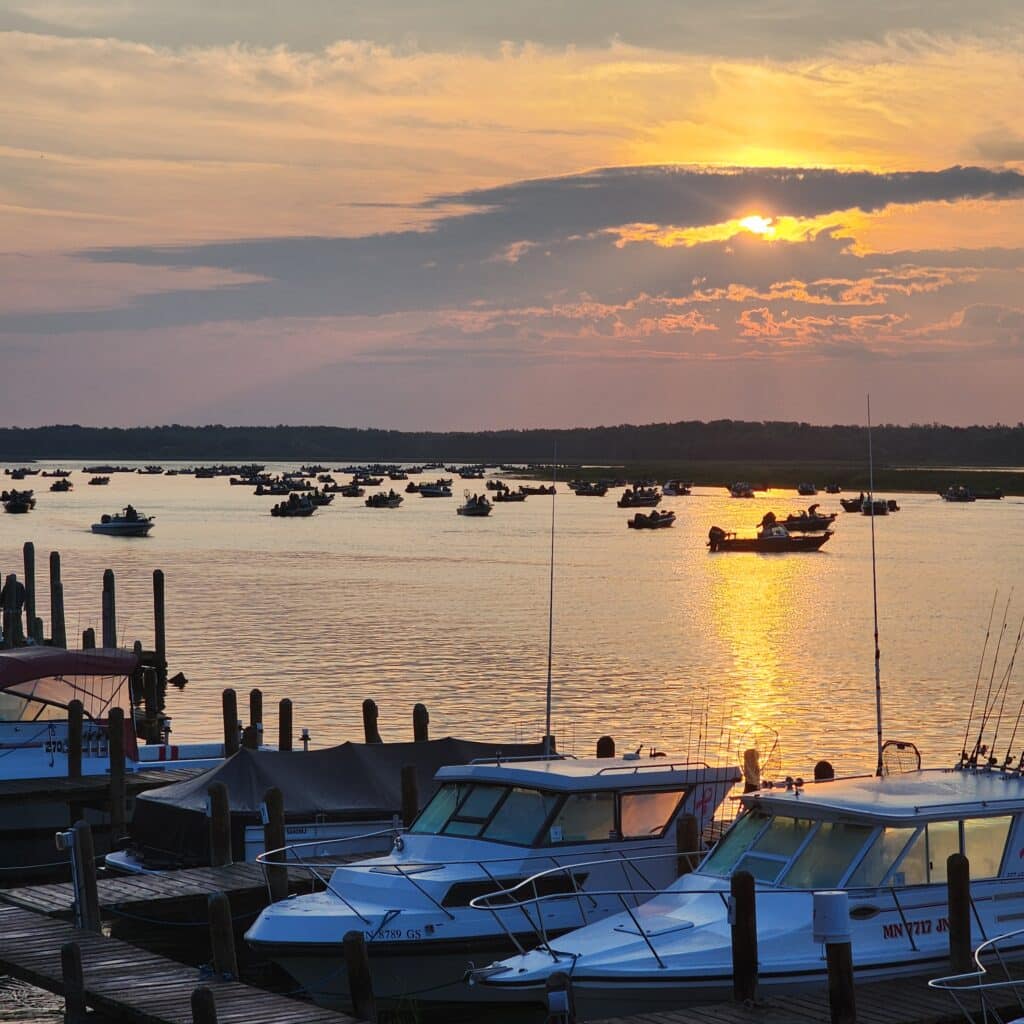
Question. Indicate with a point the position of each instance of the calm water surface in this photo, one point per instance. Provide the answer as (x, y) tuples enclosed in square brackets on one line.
[(655, 641)]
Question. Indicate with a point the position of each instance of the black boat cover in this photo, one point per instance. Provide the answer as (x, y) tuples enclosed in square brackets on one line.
[(351, 782)]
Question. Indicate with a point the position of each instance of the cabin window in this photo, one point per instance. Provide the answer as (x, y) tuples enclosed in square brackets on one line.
[(913, 869), (984, 842), (827, 857), (584, 818), (439, 810), (733, 844), (474, 811), (881, 856), (647, 814), (943, 839), (772, 849), (521, 817)]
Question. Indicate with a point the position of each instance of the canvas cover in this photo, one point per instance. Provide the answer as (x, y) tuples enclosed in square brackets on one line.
[(351, 782)]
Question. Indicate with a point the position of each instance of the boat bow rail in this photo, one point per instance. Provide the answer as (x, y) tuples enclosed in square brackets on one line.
[(991, 983)]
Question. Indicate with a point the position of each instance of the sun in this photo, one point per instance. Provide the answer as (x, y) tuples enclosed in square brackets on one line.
[(758, 225)]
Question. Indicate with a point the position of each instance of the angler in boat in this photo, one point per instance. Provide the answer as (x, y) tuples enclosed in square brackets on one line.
[(384, 500), (475, 505), (489, 825), (18, 502), (640, 497), (771, 537), (809, 521), (129, 522), (654, 520), (296, 507)]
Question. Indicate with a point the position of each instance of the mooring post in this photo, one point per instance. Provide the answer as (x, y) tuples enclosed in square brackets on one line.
[(420, 723), (274, 839), (159, 623), (88, 639), (87, 902), (284, 724), (219, 810), (410, 795), (958, 888), (222, 936), (204, 1008), (360, 980), (58, 637), (74, 983), (605, 746), (687, 843), (250, 738), (37, 630), (116, 745), (76, 714), (29, 551), (109, 610), (558, 992), (256, 713), (743, 918), (370, 714), (229, 708), (831, 927)]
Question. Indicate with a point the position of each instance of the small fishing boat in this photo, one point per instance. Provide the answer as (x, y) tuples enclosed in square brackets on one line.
[(772, 538), (853, 504), (996, 494), (295, 507), (877, 507), (384, 500), (151, 470), (833, 488), (654, 520), (591, 490), (639, 497), (496, 485), (806, 490), (18, 502), (412, 487), (129, 522), (676, 489), (438, 489), (61, 486), (548, 489), (507, 495), (741, 489), (958, 493), (809, 521), (475, 505), (351, 490), (99, 481), (320, 498)]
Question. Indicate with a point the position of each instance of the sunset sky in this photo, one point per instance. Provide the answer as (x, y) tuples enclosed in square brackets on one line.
[(472, 215)]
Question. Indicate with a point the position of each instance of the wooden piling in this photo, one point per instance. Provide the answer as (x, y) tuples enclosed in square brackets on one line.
[(958, 889), (37, 630), (109, 632), (222, 936), (229, 709), (29, 552), (558, 993), (420, 723), (87, 909), (204, 1008), (250, 738), (76, 714), (687, 841), (284, 724), (88, 639), (118, 801), (58, 636), (274, 839), (256, 710), (159, 623), (220, 825), (73, 981), (605, 746), (370, 714), (410, 795), (360, 980), (743, 918), (842, 999)]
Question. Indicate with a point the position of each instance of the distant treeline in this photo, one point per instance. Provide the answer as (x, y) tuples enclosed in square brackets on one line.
[(916, 445)]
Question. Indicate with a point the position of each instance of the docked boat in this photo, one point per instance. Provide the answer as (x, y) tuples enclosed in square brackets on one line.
[(653, 520), (809, 520), (741, 489), (772, 538), (129, 522), (61, 486), (17, 502), (384, 500), (676, 489), (475, 505), (958, 493), (640, 497), (488, 826), (296, 507)]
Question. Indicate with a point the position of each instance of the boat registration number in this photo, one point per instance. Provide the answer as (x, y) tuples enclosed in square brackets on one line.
[(393, 935), (899, 930)]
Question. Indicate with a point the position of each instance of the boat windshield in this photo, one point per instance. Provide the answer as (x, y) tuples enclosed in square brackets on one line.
[(502, 814), (50, 696)]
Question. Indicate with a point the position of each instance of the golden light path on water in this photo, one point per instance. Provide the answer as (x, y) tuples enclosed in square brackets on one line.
[(656, 641)]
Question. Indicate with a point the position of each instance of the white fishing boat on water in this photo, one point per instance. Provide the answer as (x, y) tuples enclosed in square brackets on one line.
[(129, 522), (490, 825)]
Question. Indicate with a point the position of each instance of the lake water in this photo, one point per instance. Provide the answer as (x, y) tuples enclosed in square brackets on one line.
[(656, 641)]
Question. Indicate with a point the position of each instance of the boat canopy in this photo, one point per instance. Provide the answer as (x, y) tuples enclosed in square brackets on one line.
[(53, 677)]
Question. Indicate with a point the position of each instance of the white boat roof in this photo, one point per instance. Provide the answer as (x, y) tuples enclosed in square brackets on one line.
[(590, 773), (930, 793)]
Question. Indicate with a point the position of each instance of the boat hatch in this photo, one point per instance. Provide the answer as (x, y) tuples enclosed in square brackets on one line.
[(665, 929), (524, 816), (801, 853)]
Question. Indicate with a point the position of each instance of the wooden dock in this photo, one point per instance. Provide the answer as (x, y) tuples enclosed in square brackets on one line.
[(131, 984), (90, 788)]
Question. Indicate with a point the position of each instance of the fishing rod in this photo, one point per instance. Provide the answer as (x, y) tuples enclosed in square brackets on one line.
[(977, 679), (1007, 760), (991, 679), (1005, 686), (551, 606), (874, 599)]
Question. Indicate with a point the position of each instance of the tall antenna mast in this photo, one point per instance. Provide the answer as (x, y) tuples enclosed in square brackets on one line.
[(551, 605), (874, 599)]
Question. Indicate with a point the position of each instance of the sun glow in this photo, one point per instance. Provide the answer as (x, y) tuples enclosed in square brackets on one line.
[(758, 225)]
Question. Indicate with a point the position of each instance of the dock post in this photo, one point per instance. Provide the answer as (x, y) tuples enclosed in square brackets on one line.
[(83, 871), (58, 636), (360, 981), (687, 842), (831, 927), (256, 713), (219, 810), (109, 632), (274, 839), (37, 630), (370, 714), (229, 708), (76, 713), (204, 1009), (159, 623), (420, 723), (115, 742), (558, 990), (222, 936), (958, 887), (743, 918), (605, 746), (29, 552), (88, 639), (284, 725), (73, 982), (410, 795), (250, 738)]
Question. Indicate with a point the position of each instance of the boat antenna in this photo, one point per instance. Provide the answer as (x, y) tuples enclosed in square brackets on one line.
[(551, 605), (874, 599), (977, 680)]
